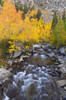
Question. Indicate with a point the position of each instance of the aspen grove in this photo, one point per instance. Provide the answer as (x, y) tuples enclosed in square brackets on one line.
[(13, 28)]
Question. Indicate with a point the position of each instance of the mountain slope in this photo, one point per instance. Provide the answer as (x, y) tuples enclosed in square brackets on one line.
[(47, 7)]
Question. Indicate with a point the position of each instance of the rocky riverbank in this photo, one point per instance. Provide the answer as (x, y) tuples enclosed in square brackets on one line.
[(39, 74)]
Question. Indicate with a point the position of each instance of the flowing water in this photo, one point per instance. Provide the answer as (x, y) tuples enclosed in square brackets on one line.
[(33, 79)]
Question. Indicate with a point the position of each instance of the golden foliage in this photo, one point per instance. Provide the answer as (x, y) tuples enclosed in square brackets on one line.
[(14, 28)]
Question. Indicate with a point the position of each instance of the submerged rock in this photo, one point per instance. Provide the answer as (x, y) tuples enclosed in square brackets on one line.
[(12, 90)]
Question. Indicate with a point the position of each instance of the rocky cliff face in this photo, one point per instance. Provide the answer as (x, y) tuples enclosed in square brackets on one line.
[(46, 5), (51, 5), (25, 2)]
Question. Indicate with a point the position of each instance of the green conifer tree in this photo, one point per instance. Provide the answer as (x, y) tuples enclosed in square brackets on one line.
[(1, 2), (38, 14), (54, 21), (64, 16), (59, 34), (64, 19)]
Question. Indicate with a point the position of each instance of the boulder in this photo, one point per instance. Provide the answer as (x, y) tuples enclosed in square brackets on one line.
[(51, 54), (4, 74), (62, 50), (61, 61), (36, 46), (65, 88), (61, 82), (49, 50), (48, 47), (45, 47), (55, 51), (19, 52), (62, 68), (22, 57), (63, 76)]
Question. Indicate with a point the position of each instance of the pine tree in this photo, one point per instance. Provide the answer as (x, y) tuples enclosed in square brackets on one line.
[(64, 19), (1, 2), (38, 14), (64, 16), (54, 21), (23, 16), (21, 7), (17, 6), (26, 9)]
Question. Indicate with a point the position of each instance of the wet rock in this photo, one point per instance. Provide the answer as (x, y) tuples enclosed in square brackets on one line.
[(51, 54), (43, 46), (48, 47), (5, 97), (32, 90), (59, 56), (24, 56), (65, 88), (12, 90), (62, 50), (62, 68), (21, 59), (29, 70), (4, 74), (61, 61), (64, 98), (61, 82), (10, 62), (10, 69), (63, 76), (64, 58), (49, 50), (55, 51)]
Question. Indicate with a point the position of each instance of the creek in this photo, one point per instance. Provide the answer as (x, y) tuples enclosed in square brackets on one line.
[(34, 79)]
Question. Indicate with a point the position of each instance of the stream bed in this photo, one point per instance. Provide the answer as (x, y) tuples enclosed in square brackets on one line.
[(34, 79)]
